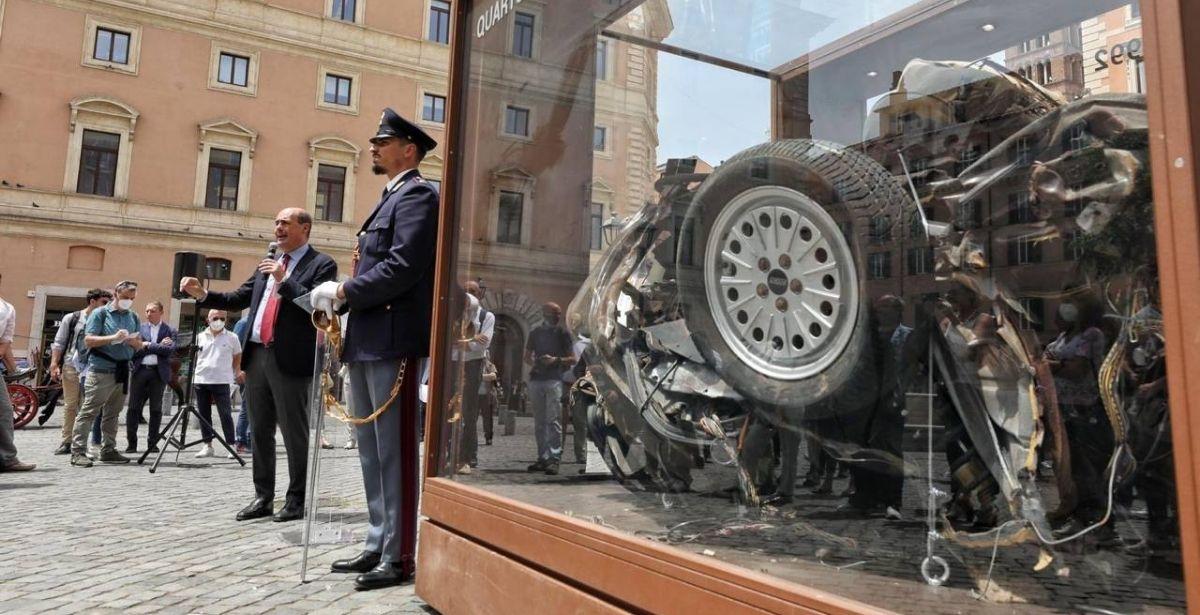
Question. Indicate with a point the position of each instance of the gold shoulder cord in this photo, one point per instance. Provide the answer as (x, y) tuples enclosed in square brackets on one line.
[(332, 328)]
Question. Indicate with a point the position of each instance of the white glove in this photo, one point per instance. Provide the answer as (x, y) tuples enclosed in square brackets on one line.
[(324, 298)]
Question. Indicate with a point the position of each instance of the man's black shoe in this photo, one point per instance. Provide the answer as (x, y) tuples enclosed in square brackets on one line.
[(291, 511), (152, 449), (259, 508), (552, 468), (364, 562), (386, 574), (132, 448), (63, 449), (112, 456), (537, 466)]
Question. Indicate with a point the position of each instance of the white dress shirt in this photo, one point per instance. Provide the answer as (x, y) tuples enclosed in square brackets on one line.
[(297, 254), (151, 358)]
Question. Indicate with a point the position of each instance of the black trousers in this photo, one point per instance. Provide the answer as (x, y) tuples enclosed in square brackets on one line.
[(206, 396), (473, 374), (277, 399), (144, 384)]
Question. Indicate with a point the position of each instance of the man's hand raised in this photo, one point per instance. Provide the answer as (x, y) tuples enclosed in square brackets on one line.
[(192, 287)]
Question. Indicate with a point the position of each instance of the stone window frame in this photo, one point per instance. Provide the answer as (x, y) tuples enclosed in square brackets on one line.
[(530, 123), (227, 134), (537, 12), (512, 179), (597, 192), (214, 67), (432, 168), (337, 151), (92, 24), (355, 88), (360, 13), (609, 135), (104, 114), (420, 112)]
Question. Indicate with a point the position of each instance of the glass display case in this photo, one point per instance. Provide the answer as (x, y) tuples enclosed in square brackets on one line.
[(847, 305)]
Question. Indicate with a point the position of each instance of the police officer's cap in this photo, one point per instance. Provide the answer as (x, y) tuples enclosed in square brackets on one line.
[(392, 125)]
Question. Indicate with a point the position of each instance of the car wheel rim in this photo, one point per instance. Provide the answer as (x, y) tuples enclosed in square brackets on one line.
[(781, 282)]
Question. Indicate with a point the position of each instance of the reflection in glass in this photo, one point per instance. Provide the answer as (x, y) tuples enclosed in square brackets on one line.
[(879, 310)]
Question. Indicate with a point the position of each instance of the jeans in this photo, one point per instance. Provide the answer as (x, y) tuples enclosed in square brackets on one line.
[(206, 394), (243, 421), (546, 398)]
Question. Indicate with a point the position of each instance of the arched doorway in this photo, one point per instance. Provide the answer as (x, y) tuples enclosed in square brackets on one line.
[(508, 345)]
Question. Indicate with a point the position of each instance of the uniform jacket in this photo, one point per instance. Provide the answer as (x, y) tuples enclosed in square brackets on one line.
[(155, 347), (295, 336), (390, 297)]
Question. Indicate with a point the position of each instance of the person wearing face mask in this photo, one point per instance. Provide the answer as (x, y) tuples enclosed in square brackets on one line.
[(111, 337), (218, 366), (1074, 358), (548, 351)]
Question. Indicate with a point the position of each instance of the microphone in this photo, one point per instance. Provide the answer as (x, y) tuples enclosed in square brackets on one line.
[(271, 249)]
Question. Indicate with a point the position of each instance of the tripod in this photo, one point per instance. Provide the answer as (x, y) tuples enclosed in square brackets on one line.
[(180, 420)]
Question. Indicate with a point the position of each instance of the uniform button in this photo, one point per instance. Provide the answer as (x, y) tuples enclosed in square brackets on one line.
[(387, 307), (361, 233)]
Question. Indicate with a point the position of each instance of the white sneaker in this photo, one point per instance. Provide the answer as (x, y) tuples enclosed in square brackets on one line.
[(892, 514), (464, 469), (205, 451), (230, 456), (350, 445)]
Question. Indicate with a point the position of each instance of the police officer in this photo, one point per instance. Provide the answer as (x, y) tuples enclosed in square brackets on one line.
[(390, 299)]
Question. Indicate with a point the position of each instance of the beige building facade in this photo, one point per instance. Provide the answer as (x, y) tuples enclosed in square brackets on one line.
[(134, 130)]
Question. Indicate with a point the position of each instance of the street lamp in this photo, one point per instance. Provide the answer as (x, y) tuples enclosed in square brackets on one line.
[(609, 228)]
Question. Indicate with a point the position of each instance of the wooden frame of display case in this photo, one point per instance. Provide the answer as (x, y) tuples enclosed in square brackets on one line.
[(480, 552)]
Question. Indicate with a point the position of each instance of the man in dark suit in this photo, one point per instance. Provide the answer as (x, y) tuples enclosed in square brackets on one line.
[(390, 298), (278, 357), (151, 373)]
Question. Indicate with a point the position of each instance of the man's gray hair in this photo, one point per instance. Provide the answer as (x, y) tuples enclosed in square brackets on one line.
[(125, 285)]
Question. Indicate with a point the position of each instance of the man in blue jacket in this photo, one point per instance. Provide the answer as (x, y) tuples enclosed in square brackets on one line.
[(151, 373), (390, 298)]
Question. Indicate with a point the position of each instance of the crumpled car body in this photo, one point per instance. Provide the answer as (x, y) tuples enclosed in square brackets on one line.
[(740, 297)]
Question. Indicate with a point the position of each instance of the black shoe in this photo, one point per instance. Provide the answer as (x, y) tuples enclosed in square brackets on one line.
[(152, 449), (777, 499), (132, 448), (364, 562), (259, 508), (488, 442), (291, 511), (63, 449), (552, 468), (536, 466), (113, 457), (386, 574)]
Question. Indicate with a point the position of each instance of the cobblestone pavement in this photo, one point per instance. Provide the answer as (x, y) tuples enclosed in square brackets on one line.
[(813, 542), (117, 539)]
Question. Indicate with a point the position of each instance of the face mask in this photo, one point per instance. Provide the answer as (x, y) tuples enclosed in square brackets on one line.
[(217, 325), (1068, 312), (124, 304)]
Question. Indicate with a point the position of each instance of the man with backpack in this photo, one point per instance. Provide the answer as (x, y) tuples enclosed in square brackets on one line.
[(111, 337), (68, 361)]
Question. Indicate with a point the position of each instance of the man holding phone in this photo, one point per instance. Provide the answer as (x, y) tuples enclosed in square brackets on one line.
[(549, 352), (111, 337)]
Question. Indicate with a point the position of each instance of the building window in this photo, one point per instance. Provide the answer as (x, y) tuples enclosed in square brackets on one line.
[(217, 268), (969, 215), (1024, 250), (881, 229), (516, 121), (98, 163), (1077, 137), (111, 46), (920, 261), (337, 90), (600, 138), (1020, 210), (966, 158), (512, 207), (224, 174), (343, 10), (522, 43), (602, 46), (439, 22), (433, 109), (596, 227), (1034, 316), (1023, 152), (879, 266), (331, 192), (233, 70)]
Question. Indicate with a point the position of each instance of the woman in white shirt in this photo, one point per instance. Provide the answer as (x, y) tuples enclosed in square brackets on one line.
[(218, 359)]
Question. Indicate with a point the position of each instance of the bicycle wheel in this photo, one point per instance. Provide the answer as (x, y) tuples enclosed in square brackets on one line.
[(24, 403)]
